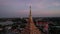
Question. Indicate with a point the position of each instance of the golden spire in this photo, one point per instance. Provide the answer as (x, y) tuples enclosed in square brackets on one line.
[(30, 27), (30, 16), (30, 10)]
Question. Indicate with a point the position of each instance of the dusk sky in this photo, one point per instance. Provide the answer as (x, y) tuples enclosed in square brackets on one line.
[(20, 8)]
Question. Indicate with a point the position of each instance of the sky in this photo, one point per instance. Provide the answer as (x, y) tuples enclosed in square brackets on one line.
[(20, 8)]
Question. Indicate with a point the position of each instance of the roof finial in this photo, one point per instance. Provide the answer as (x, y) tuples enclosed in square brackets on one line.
[(30, 10)]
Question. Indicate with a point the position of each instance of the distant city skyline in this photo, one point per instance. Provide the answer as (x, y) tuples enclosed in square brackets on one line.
[(20, 8)]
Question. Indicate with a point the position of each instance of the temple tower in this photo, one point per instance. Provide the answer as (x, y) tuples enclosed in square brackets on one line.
[(30, 27)]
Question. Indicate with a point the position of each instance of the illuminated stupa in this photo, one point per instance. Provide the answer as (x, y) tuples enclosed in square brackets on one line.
[(30, 27)]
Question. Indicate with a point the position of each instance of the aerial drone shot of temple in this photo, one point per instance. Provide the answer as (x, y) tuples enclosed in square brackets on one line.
[(30, 27)]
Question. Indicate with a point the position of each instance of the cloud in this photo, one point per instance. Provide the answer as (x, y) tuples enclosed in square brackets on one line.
[(43, 4), (56, 4), (21, 7)]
